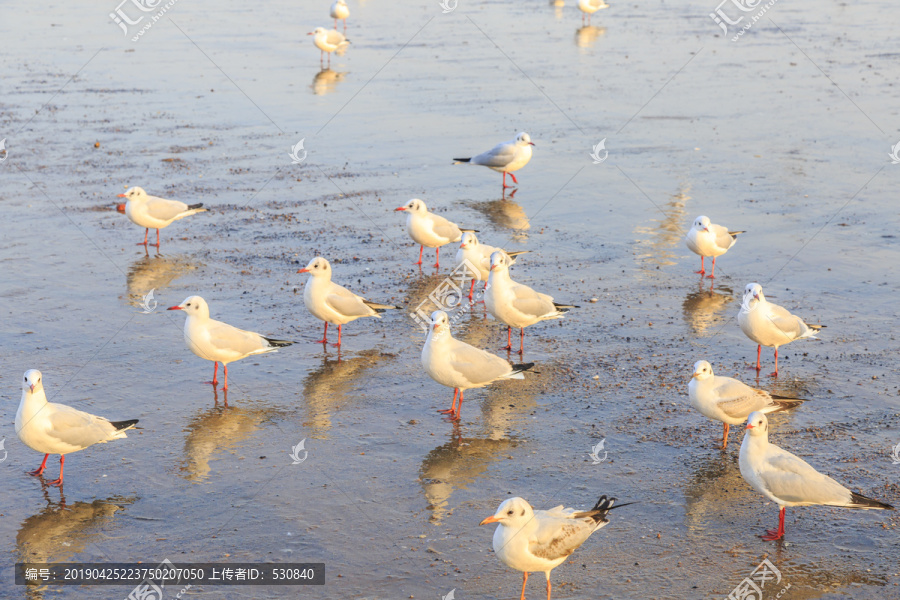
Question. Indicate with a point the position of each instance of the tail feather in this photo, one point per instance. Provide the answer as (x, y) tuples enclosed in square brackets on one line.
[(469, 230), (277, 343), (124, 425), (564, 307), (785, 403), (195, 206), (860, 501), (521, 368), (456, 161), (600, 510), (379, 308), (815, 328), (734, 234), (516, 253)]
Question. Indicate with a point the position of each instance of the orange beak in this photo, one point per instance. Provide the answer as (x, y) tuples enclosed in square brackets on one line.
[(749, 426), (756, 296), (174, 308), (310, 33), (531, 143), (491, 519), (401, 208), (32, 388), (303, 270), (121, 196)]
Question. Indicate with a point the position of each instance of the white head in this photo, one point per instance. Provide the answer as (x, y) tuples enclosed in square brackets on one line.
[(701, 223), (414, 206), (757, 425), (753, 295), (523, 139), (32, 382), (134, 193), (514, 512), (468, 240), (318, 31), (440, 323), (702, 370), (318, 267), (194, 306), (499, 261)]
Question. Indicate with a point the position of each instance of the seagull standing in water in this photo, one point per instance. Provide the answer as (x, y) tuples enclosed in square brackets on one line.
[(708, 239), (151, 212), (506, 157)]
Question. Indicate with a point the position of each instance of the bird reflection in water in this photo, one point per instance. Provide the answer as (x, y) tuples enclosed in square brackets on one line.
[(657, 242), (505, 213), (153, 273), (587, 35), (456, 465), (326, 80), (705, 308)]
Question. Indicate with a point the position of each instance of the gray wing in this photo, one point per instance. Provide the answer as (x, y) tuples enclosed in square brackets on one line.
[(335, 37), (346, 302), (77, 428), (531, 302), (476, 365), (558, 537), (162, 209), (498, 156), (723, 238), (791, 478), (228, 337), (792, 326), (738, 400), (444, 228)]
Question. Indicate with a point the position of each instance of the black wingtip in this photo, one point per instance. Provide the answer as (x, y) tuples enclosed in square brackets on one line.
[(278, 343), (120, 425), (193, 206), (522, 367), (860, 501), (461, 159)]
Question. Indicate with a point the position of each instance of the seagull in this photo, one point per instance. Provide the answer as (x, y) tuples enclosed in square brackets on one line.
[(531, 540), (788, 480), (58, 429), (218, 341), (328, 41), (768, 324), (589, 7), (506, 157), (333, 303), (478, 256), (707, 239), (517, 305), (729, 400), (340, 11), (429, 229), (460, 366), (151, 212)]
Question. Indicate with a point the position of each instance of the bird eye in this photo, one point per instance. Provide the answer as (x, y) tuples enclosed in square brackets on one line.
[(509, 512)]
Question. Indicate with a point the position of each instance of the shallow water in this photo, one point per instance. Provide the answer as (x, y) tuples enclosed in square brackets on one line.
[(206, 107)]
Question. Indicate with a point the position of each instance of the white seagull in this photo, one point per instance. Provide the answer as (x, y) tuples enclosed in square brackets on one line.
[(333, 303), (461, 366), (339, 10), (506, 157), (729, 400), (768, 324), (151, 212), (788, 480), (328, 41), (58, 429), (478, 257), (517, 305), (531, 540), (708, 239), (589, 7), (429, 229), (218, 341)]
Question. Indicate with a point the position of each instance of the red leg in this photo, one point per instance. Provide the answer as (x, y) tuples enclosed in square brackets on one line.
[(504, 180), (775, 372), (725, 435), (472, 291), (437, 258), (458, 406), (776, 534), (524, 581), (712, 272), (548, 587), (339, 337), (702, 268), (157, 239), (453, 406), (521, 341), (144, 243), (758, 356), (508, 345), (516, 181), (324, 339), (224, 366), (215, 380), (59, 481), (40, 470), (421, 248)]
